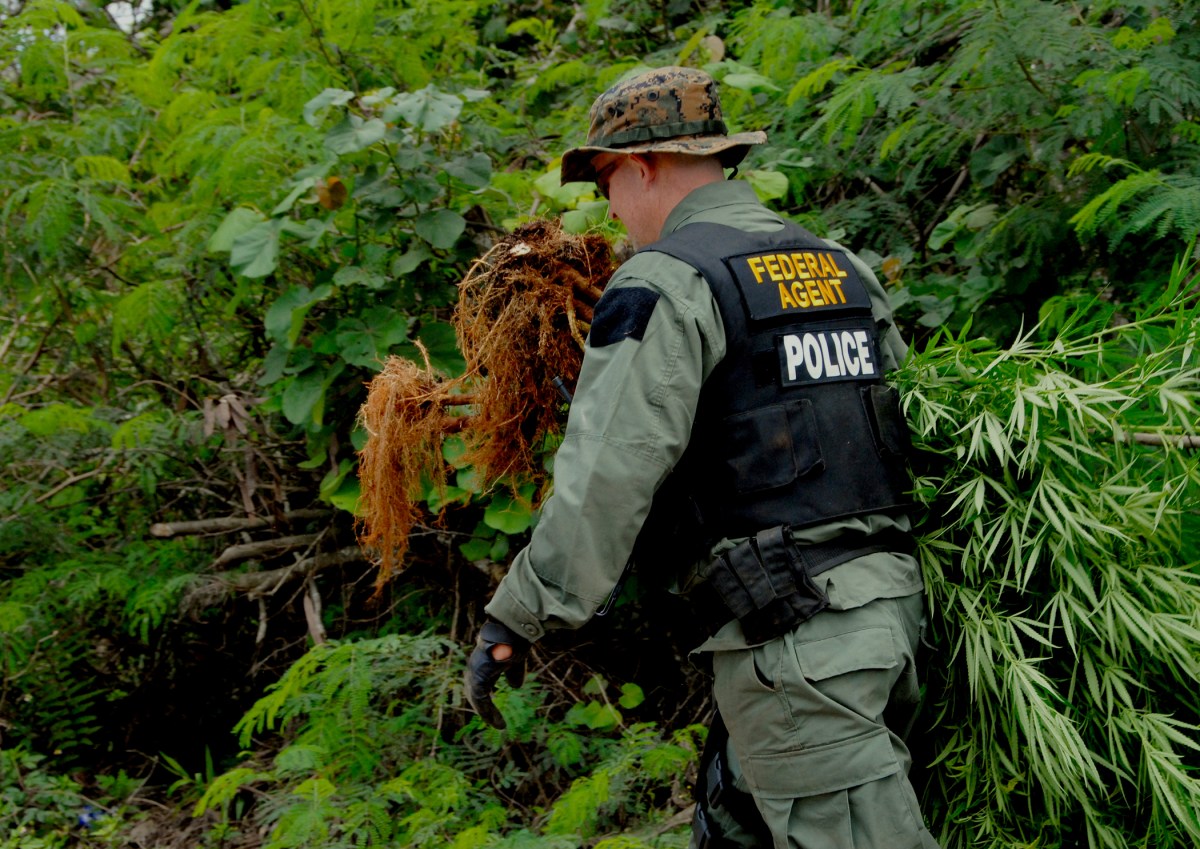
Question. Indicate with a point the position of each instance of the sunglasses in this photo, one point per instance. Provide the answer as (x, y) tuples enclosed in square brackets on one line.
[(604, 175)]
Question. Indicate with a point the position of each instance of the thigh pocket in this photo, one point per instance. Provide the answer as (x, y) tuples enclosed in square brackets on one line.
[(868, 648), (855, 671), (822, 769)]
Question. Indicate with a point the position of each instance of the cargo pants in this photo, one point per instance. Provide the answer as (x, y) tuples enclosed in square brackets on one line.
[(816, 724)]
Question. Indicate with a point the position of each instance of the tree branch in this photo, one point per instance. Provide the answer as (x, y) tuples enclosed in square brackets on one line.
[(228, 524), (261, 583), (245, 551), (1185, 440), (312, 613)]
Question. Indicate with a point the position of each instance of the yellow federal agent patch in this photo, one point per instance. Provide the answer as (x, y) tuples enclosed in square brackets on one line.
[(791, 282)]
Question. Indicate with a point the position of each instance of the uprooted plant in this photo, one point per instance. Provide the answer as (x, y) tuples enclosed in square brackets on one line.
[(523, 312)]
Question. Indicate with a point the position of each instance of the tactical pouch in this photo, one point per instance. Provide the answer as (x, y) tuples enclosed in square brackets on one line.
[(764, 584), (888, 427), (766, 581)]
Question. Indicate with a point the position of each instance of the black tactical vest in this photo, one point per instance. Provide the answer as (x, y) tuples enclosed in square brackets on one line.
[(795, 426)]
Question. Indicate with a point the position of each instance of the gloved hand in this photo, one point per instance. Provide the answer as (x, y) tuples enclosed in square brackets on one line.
[(483, 670)]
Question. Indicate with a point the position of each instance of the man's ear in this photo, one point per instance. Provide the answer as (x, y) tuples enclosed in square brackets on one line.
[(647, 166)]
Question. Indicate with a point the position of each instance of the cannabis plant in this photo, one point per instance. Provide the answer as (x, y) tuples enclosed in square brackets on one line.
[(1060, 484)]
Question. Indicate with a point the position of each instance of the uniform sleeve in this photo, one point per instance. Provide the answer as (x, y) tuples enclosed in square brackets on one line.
[(652, 343)]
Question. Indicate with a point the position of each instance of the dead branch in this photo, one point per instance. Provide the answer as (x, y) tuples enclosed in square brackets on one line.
[(228, 524), (261, 583), (247, 550), (312, 613)]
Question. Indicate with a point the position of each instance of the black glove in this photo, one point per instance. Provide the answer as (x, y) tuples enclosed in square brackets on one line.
[(483, 671)]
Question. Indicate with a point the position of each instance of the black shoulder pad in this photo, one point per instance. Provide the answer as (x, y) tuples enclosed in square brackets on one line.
[(621, 314)]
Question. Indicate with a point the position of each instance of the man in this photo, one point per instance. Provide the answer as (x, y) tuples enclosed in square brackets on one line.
[(732, 381)]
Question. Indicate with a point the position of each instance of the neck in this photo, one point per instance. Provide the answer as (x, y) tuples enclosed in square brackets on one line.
[(678, 175)]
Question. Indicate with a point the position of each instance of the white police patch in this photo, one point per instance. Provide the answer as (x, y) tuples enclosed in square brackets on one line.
[(827, 354)]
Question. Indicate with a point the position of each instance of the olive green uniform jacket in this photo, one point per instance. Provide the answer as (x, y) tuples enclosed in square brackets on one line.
[(629, 424)]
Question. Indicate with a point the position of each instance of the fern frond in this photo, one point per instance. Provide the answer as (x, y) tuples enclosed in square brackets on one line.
[(1173, 212), (1174, 92), (51, 216), (147, 314), (1089, 161), (103, 168), (560, 76), (816, 81), (1097, 212)]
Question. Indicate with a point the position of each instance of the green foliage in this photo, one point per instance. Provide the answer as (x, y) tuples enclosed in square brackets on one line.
[(911, 113), (1059, 549), (205, 254), (40, 809), (60, 664), (363, 757)]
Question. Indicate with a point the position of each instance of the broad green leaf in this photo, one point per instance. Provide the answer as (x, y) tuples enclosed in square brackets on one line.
[(441, 227), (285, 317), (566, 195), (357, 347), (586, 216), (749, 81), (981, 216), (421, 188), (353, 275), (475, 549), (437, 501), (600, 717), (467, 480), (274, 363), (631, 696), (237, 222), (507, 514), (408, 262), (311, 230), (329, 97), (256, 251), (342, 488), (353, 134), (442, 346), (302, 396), (475, 170), (944, 232), (298, 191), (389, 326), (428, 110), (768, 185), (453, 450), (333, 479)]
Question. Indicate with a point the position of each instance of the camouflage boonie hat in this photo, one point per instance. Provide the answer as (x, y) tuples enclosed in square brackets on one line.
[(667, 109)]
